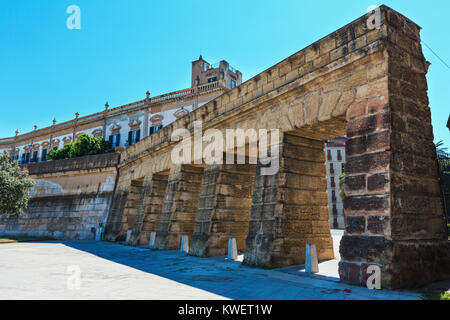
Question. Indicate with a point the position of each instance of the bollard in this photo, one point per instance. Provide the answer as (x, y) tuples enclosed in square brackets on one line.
[(127, 240), (152, 239), (311, 263), (98, 234), (232, 249), (184, 244)]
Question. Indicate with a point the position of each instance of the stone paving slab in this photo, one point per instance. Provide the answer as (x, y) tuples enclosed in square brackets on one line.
[(114, 271)]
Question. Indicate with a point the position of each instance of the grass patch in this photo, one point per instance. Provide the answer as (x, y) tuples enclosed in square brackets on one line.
[(15, 239)]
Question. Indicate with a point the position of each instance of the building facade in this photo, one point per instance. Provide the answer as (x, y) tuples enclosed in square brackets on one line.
[(355, 82), (204, 72), (125, 125), (335, 159)]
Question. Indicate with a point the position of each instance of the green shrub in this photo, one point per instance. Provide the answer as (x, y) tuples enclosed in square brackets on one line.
[(445, 295), (85, 146), (14, 186)]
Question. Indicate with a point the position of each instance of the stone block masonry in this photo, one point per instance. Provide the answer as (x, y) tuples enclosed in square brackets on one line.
[(223, 209), (364, 82), (394, 210), (290, 209), (152, 193), (70, 197), (180, 207)]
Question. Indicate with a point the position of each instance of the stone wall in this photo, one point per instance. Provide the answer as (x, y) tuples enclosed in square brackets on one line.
[(223, 209), (69, 198), (363, 82)]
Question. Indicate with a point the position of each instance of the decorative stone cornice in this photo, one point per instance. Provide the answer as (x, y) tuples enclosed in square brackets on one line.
[(55, 143), (156, 120), (134, 124), (45, 144), (67, 140), (180, 113), (97, 133), (115, 129)]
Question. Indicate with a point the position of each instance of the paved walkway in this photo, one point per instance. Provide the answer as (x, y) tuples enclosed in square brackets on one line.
[(44, 270), (328, 269)]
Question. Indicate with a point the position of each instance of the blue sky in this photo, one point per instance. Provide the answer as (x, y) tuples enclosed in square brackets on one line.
[(125, 48)]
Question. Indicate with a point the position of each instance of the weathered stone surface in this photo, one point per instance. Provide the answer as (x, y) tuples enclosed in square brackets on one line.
[(180, 207), (296, 211), (366, 84), (69, 199), (227, 213)]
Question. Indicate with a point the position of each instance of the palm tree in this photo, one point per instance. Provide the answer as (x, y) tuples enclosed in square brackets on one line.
[(441, 150)]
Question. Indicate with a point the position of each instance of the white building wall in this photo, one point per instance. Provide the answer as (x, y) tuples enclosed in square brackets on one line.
[(335, 223), (123, 121)]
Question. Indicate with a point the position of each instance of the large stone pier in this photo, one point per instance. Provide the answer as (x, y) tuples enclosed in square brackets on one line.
[(364, 81)]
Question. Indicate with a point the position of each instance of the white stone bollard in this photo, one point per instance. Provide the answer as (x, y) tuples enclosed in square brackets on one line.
[(232, 249), (152, 239), (184, 244), (127, 240), (311, 262)]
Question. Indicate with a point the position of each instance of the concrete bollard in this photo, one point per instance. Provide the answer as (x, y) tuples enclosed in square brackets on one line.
[(98, 234), (128, 238), (184, 244), (152, 239), (311, 262), (232, 249)]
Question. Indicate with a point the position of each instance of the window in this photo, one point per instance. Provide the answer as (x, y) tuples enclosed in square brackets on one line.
[(35, 156), (333, 196), (339, 155), (233, 84), (331, 168), (44, 155), (333, 184), (213, 79), (25, 158), (154, 129), (115, 140), (205, 66), (329, 155), (334, 209), (342, 167), (134, 137)]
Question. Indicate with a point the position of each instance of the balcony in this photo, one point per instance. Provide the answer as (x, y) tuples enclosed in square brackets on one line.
[(180, 94), (217, 65)]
